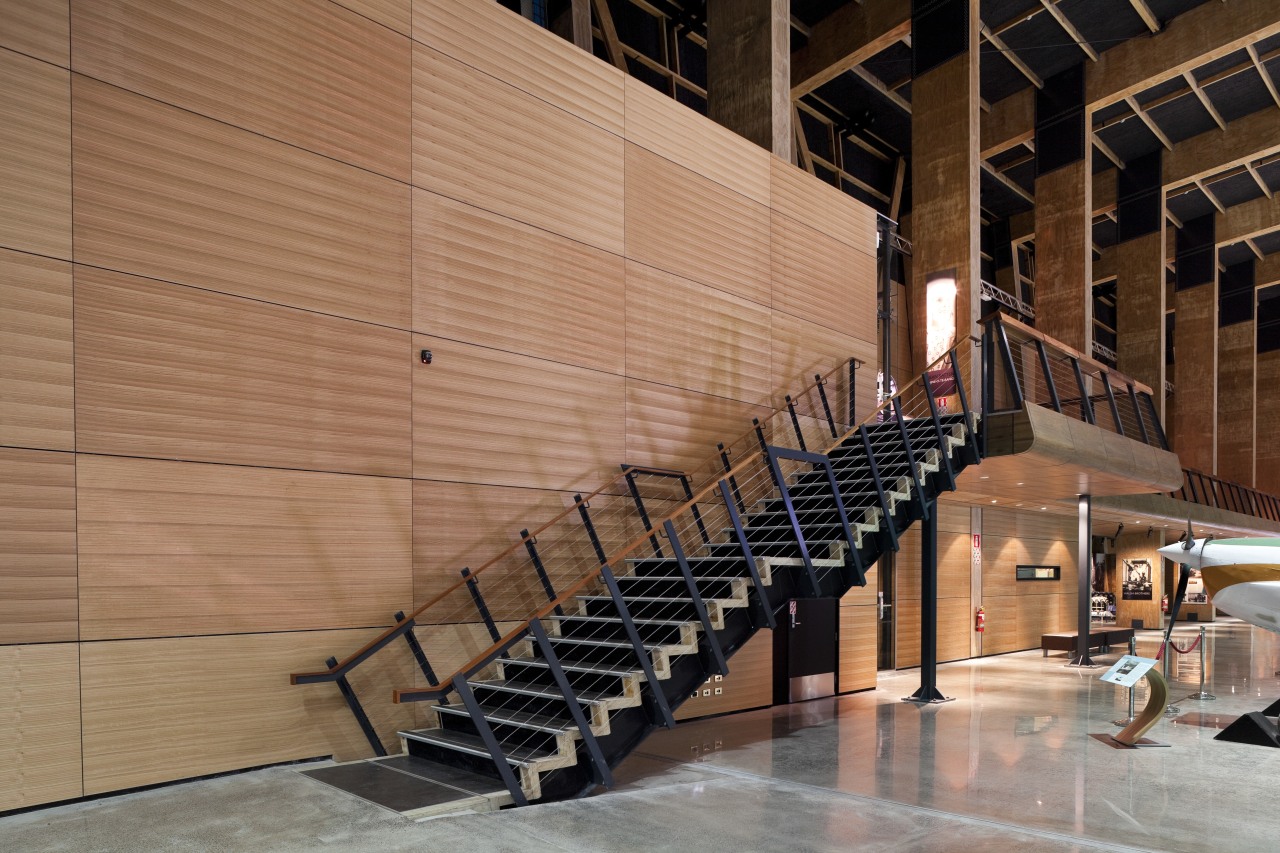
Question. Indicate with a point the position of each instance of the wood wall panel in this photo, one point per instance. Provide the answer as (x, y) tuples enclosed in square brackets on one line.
[(40, 718), (858, 638), (502, 44), (1236, 402), (662, 125), (1002, 623), (1196, 336), (749, 683), (955, 624), (306, 72), (686, 224), (796, 194), (800, 349), (818, 278), (1268, 419), (483, 142), (180, 373), (1138, 546), (37, 546), (694, 336), (487, 416), (36, 391), (674, 428), (38, 28), (190, 706), (489, 280), (1037, 614), (396, 14), (457, 525), (35, 156), (167, 194), (177, 548)]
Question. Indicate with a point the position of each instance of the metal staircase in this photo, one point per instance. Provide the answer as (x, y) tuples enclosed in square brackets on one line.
[(569, 690)]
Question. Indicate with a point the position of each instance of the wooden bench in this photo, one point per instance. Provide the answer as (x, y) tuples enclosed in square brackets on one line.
[(1100, 637)]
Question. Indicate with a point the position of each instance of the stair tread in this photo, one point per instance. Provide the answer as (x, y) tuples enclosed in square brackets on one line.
[(507, 716), (474, 744), (666, 623), (525, 688), (606, 644), (576, 666)]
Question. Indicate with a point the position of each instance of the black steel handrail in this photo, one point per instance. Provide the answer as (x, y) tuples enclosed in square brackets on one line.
[(1211, 491)]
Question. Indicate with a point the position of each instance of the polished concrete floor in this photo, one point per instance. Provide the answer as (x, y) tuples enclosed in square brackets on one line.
[(1009, 763)]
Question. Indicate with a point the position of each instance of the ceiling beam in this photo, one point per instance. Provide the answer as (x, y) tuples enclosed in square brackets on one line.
[(1011, 55), (1257, 179), (1213, 199), (1008, 184), (1107, 152), (1245, 140), (1204, 99), (1208, 32), (1144, 12), (874, 82), (1245, 221), (1149, 122), (1051, 6), (1263, 73), (1253, 247), (847, 37)]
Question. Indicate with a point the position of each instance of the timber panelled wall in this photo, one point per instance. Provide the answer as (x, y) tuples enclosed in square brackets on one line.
[(227, 227)]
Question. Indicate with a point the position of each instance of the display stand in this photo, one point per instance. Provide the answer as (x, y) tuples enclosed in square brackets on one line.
[(1132, 735)]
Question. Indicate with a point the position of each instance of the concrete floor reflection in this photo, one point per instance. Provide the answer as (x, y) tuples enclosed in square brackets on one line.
[(1009, 764)]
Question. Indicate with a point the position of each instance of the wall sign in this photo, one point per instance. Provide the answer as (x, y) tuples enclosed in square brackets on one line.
[(1137, 580)]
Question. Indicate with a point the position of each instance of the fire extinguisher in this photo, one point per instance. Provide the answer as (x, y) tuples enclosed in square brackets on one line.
[(1164, 604), (980, 621)]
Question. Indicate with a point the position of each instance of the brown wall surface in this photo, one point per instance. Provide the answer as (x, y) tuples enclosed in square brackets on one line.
[(221, 458)]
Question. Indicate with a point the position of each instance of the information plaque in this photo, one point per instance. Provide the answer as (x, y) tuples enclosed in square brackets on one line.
[(1128, 670)]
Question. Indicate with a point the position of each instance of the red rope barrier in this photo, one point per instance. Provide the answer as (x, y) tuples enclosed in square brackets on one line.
[(1188, 650)]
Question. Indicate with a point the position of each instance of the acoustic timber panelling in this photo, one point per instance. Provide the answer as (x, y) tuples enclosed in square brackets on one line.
[(307, 72), (464, 525), (664, 126), (1268, 419), (164, 193), (492, 417), (794, 194), (858, 632), (35, 156), (396, 14), (520, 156), (1001, 634), (40, 718), (181, 373), (498, 44), (35, 352), (673, 428), (37, 546), (1196, 333), (800, 348), (693, 336), (493, 281), (1236, 401), (749, 683), (189, 706), (686, 224), (38, 28), (819, 278), (178, 548)]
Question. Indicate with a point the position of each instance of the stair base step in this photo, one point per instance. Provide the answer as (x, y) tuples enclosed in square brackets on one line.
[(414, 787)]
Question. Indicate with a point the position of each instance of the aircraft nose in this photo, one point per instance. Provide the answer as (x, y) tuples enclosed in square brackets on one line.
[(1177, 554)]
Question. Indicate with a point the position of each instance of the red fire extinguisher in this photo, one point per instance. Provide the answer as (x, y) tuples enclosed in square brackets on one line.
[(1164, 604), (980, 621)]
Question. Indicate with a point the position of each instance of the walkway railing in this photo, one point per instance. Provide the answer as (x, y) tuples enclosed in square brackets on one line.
[(1025, 367), (1208, 490)]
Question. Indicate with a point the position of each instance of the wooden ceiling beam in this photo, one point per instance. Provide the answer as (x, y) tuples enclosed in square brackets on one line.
[(846, 38), (1245, 221), (1144, 12), (874, 82), (1051, 7), (1204, 99), (1260, 64), (1011, 55), (1149, 122), (1257, 178)]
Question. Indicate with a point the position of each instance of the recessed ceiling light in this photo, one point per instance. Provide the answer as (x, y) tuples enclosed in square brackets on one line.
[(984, 477), (993, 500), (1044, 507), (1020, 484)]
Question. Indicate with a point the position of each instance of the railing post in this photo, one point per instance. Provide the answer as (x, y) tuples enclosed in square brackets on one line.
[(583, 506), (699, 606), (602, 774), (490, 740), (474, 588), (693, 508), (795, 422), (1010, 372), (1137, 413), (1086, 404), (418, 654), (642, 654), (1111, 401), (826, 405), (776, 472), (971, 442), (937, 431), (890, 527), (921, 499), (1155, 420), (1049, 384), (853, 390), (358, 710), (764, 448), (860, 571), (733, 481), (531, 545), (644, 516), (741, 536)]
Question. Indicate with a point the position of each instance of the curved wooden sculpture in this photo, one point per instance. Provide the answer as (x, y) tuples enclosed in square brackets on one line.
[(1157, 698)]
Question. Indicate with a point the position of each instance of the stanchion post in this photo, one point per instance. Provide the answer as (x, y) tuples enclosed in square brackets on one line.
[(1133, 650), (1201, 696), (1170, 709)]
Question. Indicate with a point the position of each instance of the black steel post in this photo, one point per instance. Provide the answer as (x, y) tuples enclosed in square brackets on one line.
[(602, 774), (733, 481), (1049, 384), (1084, 573), (885, 227), (889, 526), (490, 740), (474, 588), (1111, 402), (1010, 370), (795, 422), (699, 606), (418, 654), (928, 691), (358, 710), (583, 506), (943, 453), (1086, 404), (826, 405), (693, 508), (1137, 413), (776, 472), (740, 536), (1155, 420), (644, 515), (531, 545), (642, 654), (922, 500), (975, 451)]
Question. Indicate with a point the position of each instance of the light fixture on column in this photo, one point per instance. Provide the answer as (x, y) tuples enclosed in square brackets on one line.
[(940, 313)]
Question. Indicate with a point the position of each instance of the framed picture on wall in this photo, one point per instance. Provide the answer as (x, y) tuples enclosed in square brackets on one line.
[(1196, 593), (1136, 584)]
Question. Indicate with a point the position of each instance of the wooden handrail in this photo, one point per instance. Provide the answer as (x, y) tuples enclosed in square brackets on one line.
[(1021, 327)]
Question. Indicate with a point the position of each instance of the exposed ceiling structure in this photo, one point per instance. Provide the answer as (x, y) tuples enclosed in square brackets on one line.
[(851, 74)]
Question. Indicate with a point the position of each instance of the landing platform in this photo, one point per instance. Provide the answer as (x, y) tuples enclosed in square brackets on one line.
[(413, 787)]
